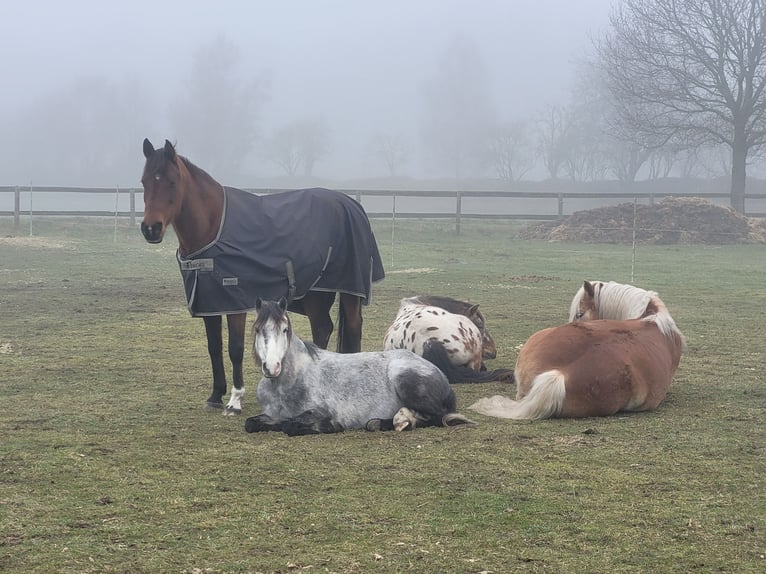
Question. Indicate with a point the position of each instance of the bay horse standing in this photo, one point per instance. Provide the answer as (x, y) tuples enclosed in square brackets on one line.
[(233, 247), (308, 390), (594, 368)]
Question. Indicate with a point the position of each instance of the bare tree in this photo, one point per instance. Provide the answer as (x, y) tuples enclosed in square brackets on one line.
[(508, 150), (695, 69), (552, 127), (458, 107), (392, 149), (282, 148), (215, 117), (313, 142), (299, 145), (582, 141), (84, 133)]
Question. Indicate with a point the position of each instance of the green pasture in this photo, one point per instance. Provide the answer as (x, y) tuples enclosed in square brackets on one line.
[(108, 462)]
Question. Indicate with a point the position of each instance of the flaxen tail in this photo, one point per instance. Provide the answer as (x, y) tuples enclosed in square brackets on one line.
[(436, 353), (545, 400)]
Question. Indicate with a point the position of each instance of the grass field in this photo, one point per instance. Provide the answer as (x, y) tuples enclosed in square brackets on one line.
[(109, 464)]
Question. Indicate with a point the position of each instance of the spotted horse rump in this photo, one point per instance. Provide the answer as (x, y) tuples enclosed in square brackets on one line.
[(417, 324)]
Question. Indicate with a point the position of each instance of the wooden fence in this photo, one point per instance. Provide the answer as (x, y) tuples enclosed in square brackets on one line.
[(558, 204)]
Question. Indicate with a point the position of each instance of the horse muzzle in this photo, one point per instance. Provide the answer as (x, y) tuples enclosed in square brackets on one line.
[(152, 233), (271, 372)]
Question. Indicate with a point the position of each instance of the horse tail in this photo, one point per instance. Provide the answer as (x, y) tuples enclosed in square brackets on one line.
[(435, 352), (545, 400), (456, 419)]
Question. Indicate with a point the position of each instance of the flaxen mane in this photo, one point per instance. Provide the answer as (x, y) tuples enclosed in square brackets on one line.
[(615, 300)]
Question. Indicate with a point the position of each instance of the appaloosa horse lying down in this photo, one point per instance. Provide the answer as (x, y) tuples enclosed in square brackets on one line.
[(458, 307), (418, 323), (308, 390)]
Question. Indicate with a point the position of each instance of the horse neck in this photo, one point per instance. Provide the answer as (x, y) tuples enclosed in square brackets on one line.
[(199, 217), (295, 358)]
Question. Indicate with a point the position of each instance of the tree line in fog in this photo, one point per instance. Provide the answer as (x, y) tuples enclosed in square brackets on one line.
[(670, 88)]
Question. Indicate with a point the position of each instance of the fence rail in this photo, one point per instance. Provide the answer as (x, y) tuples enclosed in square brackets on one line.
[(557, 201)]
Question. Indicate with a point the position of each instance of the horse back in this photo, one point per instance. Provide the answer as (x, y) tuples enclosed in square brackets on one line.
[(415, 325), (608, 366)]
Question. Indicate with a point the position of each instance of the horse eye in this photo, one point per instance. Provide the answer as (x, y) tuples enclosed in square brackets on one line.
[(579, 315), (157, 177)]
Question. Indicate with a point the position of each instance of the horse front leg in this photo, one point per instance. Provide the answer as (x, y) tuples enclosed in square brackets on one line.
[(236, 324), (215, 350), (308, 422)]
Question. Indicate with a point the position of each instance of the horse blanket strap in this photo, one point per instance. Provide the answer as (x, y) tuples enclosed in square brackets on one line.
[(282, 245)]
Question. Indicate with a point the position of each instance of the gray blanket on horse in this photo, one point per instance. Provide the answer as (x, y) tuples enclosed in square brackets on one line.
[(282, 245)]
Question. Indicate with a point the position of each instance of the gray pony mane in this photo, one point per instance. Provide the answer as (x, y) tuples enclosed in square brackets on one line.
[(311, 349)]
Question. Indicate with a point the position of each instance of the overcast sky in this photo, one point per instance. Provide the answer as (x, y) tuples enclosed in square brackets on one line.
[(360, 64)]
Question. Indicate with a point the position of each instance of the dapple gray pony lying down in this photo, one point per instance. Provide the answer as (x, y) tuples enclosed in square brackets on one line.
[(308, 390)]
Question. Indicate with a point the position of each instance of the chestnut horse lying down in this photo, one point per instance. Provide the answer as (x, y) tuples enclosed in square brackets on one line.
[(594, 368)]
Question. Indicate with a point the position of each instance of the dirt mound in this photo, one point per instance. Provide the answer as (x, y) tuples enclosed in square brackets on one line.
[(670, 221)]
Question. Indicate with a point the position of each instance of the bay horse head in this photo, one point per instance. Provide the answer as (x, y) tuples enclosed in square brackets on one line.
[(162, 199)]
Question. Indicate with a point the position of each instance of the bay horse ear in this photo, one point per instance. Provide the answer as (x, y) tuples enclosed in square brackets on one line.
[(148, 148), (170, 151), (283, 303), (588, 288)]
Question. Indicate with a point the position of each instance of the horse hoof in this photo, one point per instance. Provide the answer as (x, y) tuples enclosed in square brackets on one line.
[(374, 425), (404, 419), (231, 412), (213, 407)]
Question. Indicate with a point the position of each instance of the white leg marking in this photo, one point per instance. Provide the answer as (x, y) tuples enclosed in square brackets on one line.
[(234, 406)]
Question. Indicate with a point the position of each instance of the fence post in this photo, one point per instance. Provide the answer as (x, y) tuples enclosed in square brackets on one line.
[(393, 228), (132, 207), (458, 211), (16, 207), (30, 209), (561, 205)]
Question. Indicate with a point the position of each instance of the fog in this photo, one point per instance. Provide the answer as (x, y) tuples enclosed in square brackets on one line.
[(86, 81)]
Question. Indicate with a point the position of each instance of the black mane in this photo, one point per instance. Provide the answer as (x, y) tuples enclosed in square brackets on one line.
[(446, 303)]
